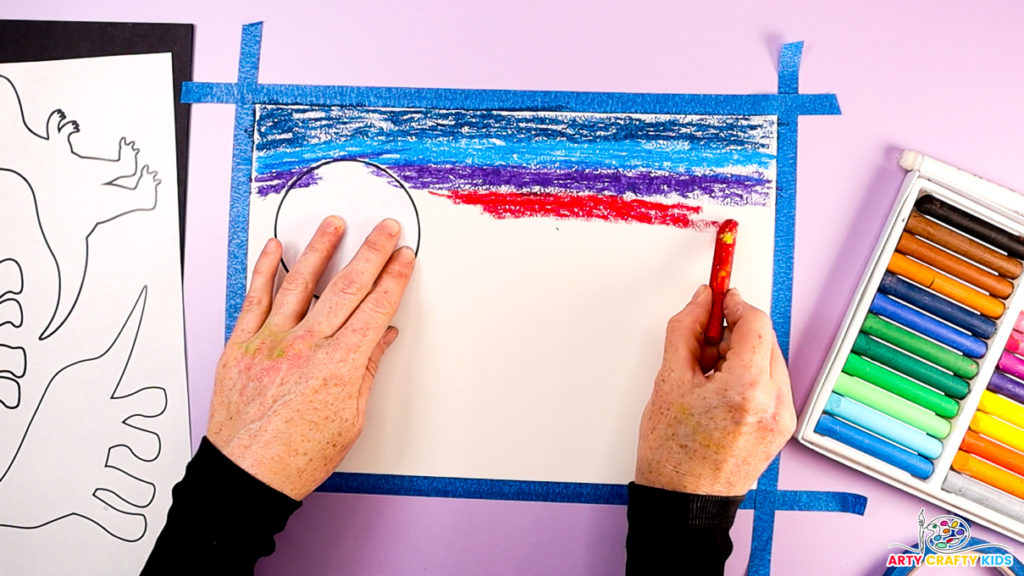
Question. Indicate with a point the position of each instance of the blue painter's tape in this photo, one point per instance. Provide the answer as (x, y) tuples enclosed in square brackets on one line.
[(789, 67), (938, 306), (977, 546), (807, 500), (782, 299), (600, 102), (573, 492), (241, 169), (209, 93), (760, 563), (476, 488), (249, 56)]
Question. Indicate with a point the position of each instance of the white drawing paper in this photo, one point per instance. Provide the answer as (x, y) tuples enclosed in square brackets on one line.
[(552, 249), (93, 395)]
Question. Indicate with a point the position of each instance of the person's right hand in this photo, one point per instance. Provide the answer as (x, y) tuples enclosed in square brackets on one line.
[(718, 415), (291, 387)]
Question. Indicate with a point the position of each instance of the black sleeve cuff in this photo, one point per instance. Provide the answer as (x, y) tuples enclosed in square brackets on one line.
[(674, 532), (221, 515)]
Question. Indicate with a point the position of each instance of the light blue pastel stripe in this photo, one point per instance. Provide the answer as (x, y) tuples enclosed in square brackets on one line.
[(665, 156), (885, 426)]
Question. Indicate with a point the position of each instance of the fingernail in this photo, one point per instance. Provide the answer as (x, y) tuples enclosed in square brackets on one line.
[(390, 335), (333, 223), (391, 227), (699, 292), (404, 254)]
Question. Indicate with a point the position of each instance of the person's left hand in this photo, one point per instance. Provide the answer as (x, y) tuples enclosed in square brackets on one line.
[(292, 384)]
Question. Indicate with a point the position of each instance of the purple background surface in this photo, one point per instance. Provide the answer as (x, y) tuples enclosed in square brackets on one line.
[(941, 77)]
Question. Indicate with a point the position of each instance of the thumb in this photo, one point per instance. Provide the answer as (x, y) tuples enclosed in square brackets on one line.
[(751, 335), (684, 341), (385, 342)]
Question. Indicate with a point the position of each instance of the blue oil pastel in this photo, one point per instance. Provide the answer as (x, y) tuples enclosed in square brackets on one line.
[(920, 322), (883, 425), (936, 305), (874, 446)]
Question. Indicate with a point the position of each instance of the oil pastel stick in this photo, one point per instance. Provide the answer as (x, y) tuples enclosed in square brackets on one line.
[(901, 386), (987, 232), (892, 405), (936, 305), (1011, 364), (984, 494), (996, 429), (919, 322), (954, 265), (921, 347), (1008, 386), (964, 246), (906, 364), (994, 452), (721, 272), (1016, 343), (874, 446), (953, 289), (1002, 408), (885, 426), (1018, 324), (988, 473)]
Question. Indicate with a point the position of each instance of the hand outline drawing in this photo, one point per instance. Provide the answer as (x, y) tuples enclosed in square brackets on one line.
[(66, 187), (109, 493)]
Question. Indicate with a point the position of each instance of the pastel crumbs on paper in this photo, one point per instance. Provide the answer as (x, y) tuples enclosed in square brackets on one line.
[(721, 272)]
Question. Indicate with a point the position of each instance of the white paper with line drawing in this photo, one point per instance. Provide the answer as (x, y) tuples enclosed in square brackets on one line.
[(94, 424)]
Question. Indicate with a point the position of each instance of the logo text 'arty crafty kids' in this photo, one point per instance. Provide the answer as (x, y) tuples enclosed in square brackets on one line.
[(946, 541)]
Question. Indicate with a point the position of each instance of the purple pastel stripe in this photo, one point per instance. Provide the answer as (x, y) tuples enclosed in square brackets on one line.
[(275, 182), (728, 189)]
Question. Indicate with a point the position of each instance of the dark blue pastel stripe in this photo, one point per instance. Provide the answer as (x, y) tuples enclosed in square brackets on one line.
[(302, 126)]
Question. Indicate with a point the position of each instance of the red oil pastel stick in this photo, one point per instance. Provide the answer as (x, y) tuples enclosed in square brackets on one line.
[(721, 271)]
